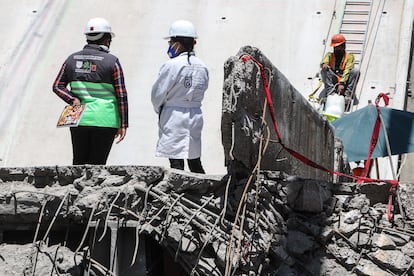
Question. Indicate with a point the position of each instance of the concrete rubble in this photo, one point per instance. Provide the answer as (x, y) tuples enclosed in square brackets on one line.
[(290, 225)]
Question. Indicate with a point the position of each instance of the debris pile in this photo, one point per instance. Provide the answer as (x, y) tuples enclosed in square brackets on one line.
[(354, 235), (267, 224)]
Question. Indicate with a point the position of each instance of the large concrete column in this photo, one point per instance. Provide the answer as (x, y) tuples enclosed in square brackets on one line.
[(301, 128)]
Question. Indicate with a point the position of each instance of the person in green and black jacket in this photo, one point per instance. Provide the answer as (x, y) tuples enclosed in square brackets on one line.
[(95, 78)]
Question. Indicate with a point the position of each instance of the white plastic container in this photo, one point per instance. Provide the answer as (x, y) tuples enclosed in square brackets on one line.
[(334, 107)]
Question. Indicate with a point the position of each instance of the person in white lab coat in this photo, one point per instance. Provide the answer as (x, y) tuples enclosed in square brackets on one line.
[(176, 97)]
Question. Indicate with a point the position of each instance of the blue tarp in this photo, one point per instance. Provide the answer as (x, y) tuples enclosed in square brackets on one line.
[(355, 131)]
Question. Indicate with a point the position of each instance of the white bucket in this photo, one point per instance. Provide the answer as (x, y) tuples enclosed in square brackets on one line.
[(334, 107)]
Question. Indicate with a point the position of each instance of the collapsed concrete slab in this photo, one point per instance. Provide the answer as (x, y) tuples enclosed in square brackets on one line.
[(115, 220), (248, 135)]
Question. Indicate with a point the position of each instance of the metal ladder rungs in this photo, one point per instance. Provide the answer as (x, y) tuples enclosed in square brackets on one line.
[(354, 41), (359, 22), (348, 31), (359, 3), (356, 12), (355, 21)]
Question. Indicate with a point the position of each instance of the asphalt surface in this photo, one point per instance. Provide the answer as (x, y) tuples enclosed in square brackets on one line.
[(39, 34)]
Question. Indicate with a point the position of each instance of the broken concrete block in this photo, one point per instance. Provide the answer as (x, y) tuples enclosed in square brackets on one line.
[(383, 241), (306, 227), (398, 238), (392, 259), (408, 249), (330, 267), (220, 249), (359, 201), (186, 181), (406, 191), (17, 260), (326, 235), (306, 195), (352, 216), (376, 192), (182, 237), (343, 253), (282, 255), (344, 188), (347, 229), (367, 268), (242, 115), (360, 239), (299, 243)]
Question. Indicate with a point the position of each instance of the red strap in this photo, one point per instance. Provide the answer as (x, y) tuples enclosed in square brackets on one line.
[(373, 143), (375, 133), (267, 93), (384, 97), (294, 153)]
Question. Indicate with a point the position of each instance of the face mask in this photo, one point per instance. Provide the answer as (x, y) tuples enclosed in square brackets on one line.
[(171, 52)]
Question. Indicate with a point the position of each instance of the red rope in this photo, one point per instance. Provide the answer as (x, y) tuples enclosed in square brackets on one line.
[(307, 161), (375, 134)]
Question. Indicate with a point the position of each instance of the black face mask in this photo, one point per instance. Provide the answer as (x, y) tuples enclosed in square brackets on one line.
[(339, 50)]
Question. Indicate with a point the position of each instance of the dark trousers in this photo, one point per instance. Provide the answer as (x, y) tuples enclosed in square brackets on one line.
[(193, 164), (330, 79), (91, 145)]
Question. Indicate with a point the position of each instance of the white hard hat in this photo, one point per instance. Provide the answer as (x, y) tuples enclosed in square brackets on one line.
[(96, 27), (182, 28)]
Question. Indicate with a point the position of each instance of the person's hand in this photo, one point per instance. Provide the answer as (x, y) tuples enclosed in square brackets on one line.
[(120, 134), (325, 66), (76, 101), (341, 89)]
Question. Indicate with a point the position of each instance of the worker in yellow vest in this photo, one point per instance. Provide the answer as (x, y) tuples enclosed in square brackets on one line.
[(337, 70)]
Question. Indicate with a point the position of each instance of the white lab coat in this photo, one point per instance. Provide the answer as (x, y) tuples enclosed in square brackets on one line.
[(176, 96)]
